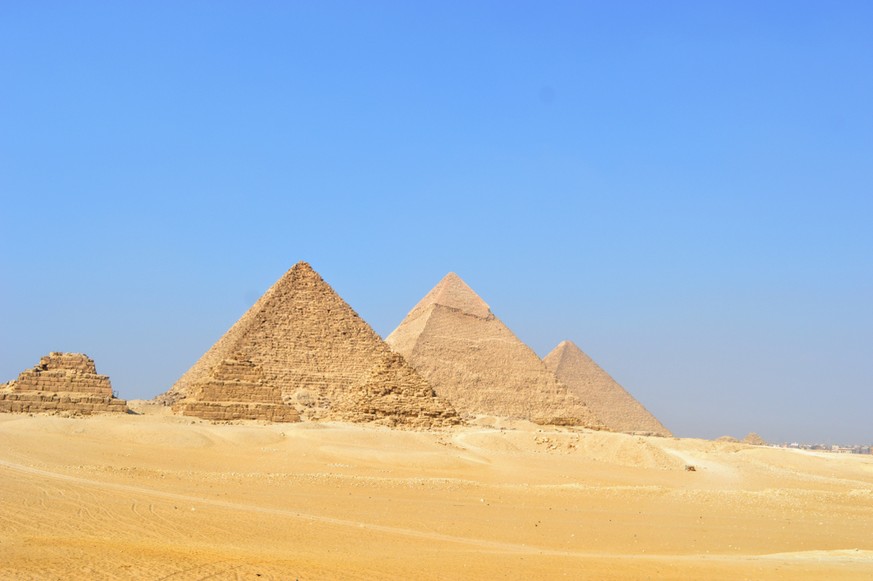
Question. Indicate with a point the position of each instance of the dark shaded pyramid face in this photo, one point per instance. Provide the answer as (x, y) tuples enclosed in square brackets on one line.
[(617, 408), (307, 344), (472, 359)]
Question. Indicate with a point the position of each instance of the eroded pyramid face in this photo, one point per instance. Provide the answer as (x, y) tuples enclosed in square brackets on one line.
[(471, 358), (308, 345)]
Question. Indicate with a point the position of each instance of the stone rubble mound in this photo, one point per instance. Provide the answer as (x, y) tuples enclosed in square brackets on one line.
[(310, 346), (393, 393), (474, 361), (61, 383), (617, 408)]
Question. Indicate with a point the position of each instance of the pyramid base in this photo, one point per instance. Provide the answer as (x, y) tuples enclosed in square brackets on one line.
[(59, 402), (222, 412)]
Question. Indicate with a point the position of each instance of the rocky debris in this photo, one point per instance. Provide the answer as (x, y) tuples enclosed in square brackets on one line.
[(236, 390), (754, 439), (61, 383), (308, 344), (477, 364), (729, 439), (617, 408)]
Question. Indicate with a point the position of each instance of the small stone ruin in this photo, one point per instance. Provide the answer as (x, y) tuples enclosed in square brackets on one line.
[(236, 390), (61, 383), (392, 394)]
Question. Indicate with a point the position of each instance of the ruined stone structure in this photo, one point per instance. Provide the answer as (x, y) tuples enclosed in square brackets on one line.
[(62, 382), (235, 390), (301, 340), (617, 408), (393, 393), (473, 360)]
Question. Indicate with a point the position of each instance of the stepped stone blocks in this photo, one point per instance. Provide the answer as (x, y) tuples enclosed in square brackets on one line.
[(61, 383), (391, 394), (618, 409), (309, 345), (473, 360), (235, 390)]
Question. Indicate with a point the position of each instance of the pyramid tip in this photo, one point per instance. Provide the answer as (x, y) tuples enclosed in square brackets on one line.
[(452, 292)]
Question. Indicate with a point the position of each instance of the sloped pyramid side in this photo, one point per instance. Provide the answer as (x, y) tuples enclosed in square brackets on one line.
[(305, 340), (618, 409), (394, 394), (474, 361)]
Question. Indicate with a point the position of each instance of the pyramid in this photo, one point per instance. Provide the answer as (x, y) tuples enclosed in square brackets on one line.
[(61, 383), (473, 360), (754, 439), (393, 393), (235, 390), (610, 401), (302, 343)]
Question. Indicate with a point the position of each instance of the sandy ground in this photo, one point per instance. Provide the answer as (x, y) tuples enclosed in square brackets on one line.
[(154, 496)]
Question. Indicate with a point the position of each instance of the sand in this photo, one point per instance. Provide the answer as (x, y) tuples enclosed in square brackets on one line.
[(156, 496)]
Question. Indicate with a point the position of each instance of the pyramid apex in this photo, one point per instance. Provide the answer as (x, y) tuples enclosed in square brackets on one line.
[(304, 266), (452, 292)]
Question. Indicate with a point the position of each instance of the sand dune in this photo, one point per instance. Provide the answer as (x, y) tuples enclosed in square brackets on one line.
[(156, 496)]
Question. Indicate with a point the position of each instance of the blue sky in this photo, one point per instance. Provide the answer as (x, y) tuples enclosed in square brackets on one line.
[(684, 189)]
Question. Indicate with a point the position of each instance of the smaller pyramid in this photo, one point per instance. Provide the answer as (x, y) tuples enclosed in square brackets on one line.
[(235, 390), (754, 439), (61, 383), (476, 363), (618, 409), (392, 394)]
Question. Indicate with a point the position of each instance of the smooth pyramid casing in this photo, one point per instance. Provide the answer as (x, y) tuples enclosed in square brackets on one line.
[(474, 361), (617, 408), (302, 339)]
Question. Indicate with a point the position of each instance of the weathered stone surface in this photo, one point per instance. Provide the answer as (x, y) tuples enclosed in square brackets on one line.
[(61, 382), (393, 394), (474, 361), (312, 348), (236, 390), (617, 408)]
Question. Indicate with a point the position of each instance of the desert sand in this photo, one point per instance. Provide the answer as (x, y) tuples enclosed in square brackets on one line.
[(159, 496)]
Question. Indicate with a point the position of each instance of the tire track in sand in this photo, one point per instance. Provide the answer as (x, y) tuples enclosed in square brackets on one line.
[(392, 530)]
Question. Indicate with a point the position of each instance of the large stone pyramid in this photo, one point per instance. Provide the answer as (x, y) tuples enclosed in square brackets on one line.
[(301, 345), (610, 401), (473, 360)]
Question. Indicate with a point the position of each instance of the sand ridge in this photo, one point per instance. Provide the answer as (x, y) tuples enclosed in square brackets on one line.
[(153, 495)]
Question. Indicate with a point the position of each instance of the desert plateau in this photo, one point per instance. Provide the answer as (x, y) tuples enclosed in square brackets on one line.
[(152, 495)]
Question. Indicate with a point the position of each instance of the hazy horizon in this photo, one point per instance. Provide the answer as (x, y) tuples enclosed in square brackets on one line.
[(682, 190)]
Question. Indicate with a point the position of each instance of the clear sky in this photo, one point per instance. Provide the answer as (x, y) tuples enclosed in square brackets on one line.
[(684, 189)]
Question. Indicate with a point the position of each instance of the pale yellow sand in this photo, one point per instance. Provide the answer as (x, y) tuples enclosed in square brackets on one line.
[(163, 497)]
